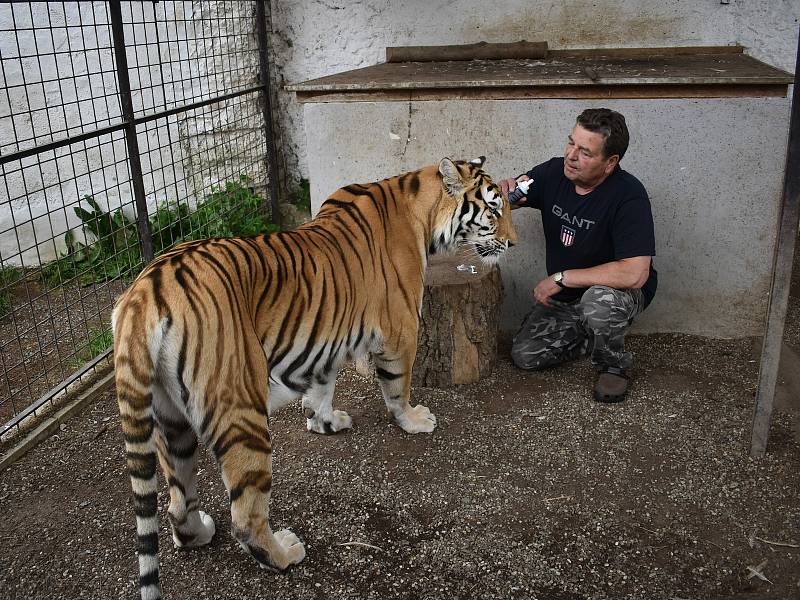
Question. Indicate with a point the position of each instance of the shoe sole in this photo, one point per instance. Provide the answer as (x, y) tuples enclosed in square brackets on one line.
[(604, 399)]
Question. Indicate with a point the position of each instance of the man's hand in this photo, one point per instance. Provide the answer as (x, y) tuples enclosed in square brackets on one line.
[(544, 289), (509, 185)]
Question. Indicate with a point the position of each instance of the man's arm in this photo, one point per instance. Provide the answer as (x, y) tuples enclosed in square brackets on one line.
[(626, 273)]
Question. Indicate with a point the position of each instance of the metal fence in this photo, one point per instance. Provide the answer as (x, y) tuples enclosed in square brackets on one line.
[(125, 127)]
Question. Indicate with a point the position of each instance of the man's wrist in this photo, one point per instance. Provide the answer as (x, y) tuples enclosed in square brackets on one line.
[(558, 278)]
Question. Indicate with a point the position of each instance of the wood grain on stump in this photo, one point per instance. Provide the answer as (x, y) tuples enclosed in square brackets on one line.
[(457, 340)]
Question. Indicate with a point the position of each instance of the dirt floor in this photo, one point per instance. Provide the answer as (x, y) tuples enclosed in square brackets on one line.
[(528, 489), (46, 335)]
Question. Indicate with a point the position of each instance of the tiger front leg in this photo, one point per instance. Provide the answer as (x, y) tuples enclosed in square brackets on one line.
[(394, 375), (318, 409)]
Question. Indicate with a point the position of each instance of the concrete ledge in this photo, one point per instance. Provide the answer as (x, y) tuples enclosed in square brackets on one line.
[(603, 73), (46, 429)]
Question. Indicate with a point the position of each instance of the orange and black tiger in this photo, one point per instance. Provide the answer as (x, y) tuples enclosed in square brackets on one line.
[(215, 334)]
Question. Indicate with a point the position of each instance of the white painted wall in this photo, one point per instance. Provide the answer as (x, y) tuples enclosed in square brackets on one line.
[(309, 39), (713, 167), (59, 72), (314, 38)]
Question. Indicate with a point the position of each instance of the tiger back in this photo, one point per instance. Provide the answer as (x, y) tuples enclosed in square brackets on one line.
[(215, 334)]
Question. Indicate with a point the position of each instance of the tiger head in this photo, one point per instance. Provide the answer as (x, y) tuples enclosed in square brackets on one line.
[(476, 213)]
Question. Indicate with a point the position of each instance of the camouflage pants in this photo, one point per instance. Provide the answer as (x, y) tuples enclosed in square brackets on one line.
[(595, 325)]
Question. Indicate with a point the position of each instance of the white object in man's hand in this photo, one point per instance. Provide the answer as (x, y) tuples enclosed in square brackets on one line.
[(507, 186)]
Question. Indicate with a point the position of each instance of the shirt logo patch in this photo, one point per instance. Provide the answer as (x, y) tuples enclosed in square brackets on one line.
[(567, 236)]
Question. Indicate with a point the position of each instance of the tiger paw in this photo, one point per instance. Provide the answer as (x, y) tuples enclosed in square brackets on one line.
[(201, 532), (338, 421), (418, 419), (291, 544), (209, 529)]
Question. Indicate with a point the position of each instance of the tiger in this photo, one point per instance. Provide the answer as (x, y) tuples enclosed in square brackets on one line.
[(215, 335)]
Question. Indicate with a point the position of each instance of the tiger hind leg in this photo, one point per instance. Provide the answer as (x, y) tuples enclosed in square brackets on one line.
[(177, 453), (244, 452), (318, 409), (394, 376)]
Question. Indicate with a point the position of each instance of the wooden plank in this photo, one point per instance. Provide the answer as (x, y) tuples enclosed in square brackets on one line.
[(479, 51), (661, 51), (781, 280), (696, 69), (551, 92), (52, 422)]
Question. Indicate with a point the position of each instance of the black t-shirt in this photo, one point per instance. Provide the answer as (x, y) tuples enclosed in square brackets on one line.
[(612, 222)]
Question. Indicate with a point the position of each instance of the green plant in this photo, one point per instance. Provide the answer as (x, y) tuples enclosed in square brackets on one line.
[(112, 247), (8, 277), (100, 340), (235, 210), (170, 225), (301, 196)]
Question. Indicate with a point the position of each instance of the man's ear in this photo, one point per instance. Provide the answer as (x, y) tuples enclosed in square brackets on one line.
[(451, 177), (613, 161)]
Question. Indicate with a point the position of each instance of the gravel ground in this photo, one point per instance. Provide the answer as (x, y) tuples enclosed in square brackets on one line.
[(527, 489), (46, 336)]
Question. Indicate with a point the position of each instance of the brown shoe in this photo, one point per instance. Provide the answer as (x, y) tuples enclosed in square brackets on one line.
[(610, 388)]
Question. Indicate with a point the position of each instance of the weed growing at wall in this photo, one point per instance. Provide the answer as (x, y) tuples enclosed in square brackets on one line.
[(170, 225), (301, 196), (111, 251), (233, 211), (8, 277), (100, 340), (112, 248)]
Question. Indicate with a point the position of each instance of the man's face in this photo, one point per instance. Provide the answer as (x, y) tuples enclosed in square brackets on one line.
[(584, 162)]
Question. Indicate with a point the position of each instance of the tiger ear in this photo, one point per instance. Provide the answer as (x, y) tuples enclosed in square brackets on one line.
[(451, 177), (478, 162)]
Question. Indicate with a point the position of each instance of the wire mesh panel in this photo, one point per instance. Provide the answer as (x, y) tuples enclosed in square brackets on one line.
[(102, 161)]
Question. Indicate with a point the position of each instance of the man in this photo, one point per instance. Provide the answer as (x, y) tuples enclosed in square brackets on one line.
[(599, 238)]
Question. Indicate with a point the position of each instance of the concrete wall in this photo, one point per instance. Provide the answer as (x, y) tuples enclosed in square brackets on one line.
[(714, 200), (314, 38), (713, 167)]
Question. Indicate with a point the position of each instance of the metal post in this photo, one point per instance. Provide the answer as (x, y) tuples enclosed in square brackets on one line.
[(271, 160), (781, 279), (126, 102)]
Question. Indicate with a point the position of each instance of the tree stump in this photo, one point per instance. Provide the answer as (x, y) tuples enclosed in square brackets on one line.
[(457, 340)]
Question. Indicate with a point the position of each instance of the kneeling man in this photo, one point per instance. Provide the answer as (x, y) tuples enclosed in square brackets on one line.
[(598, 229)]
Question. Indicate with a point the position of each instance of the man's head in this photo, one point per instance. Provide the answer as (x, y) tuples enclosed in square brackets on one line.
[(597, 143), (611, 125)]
